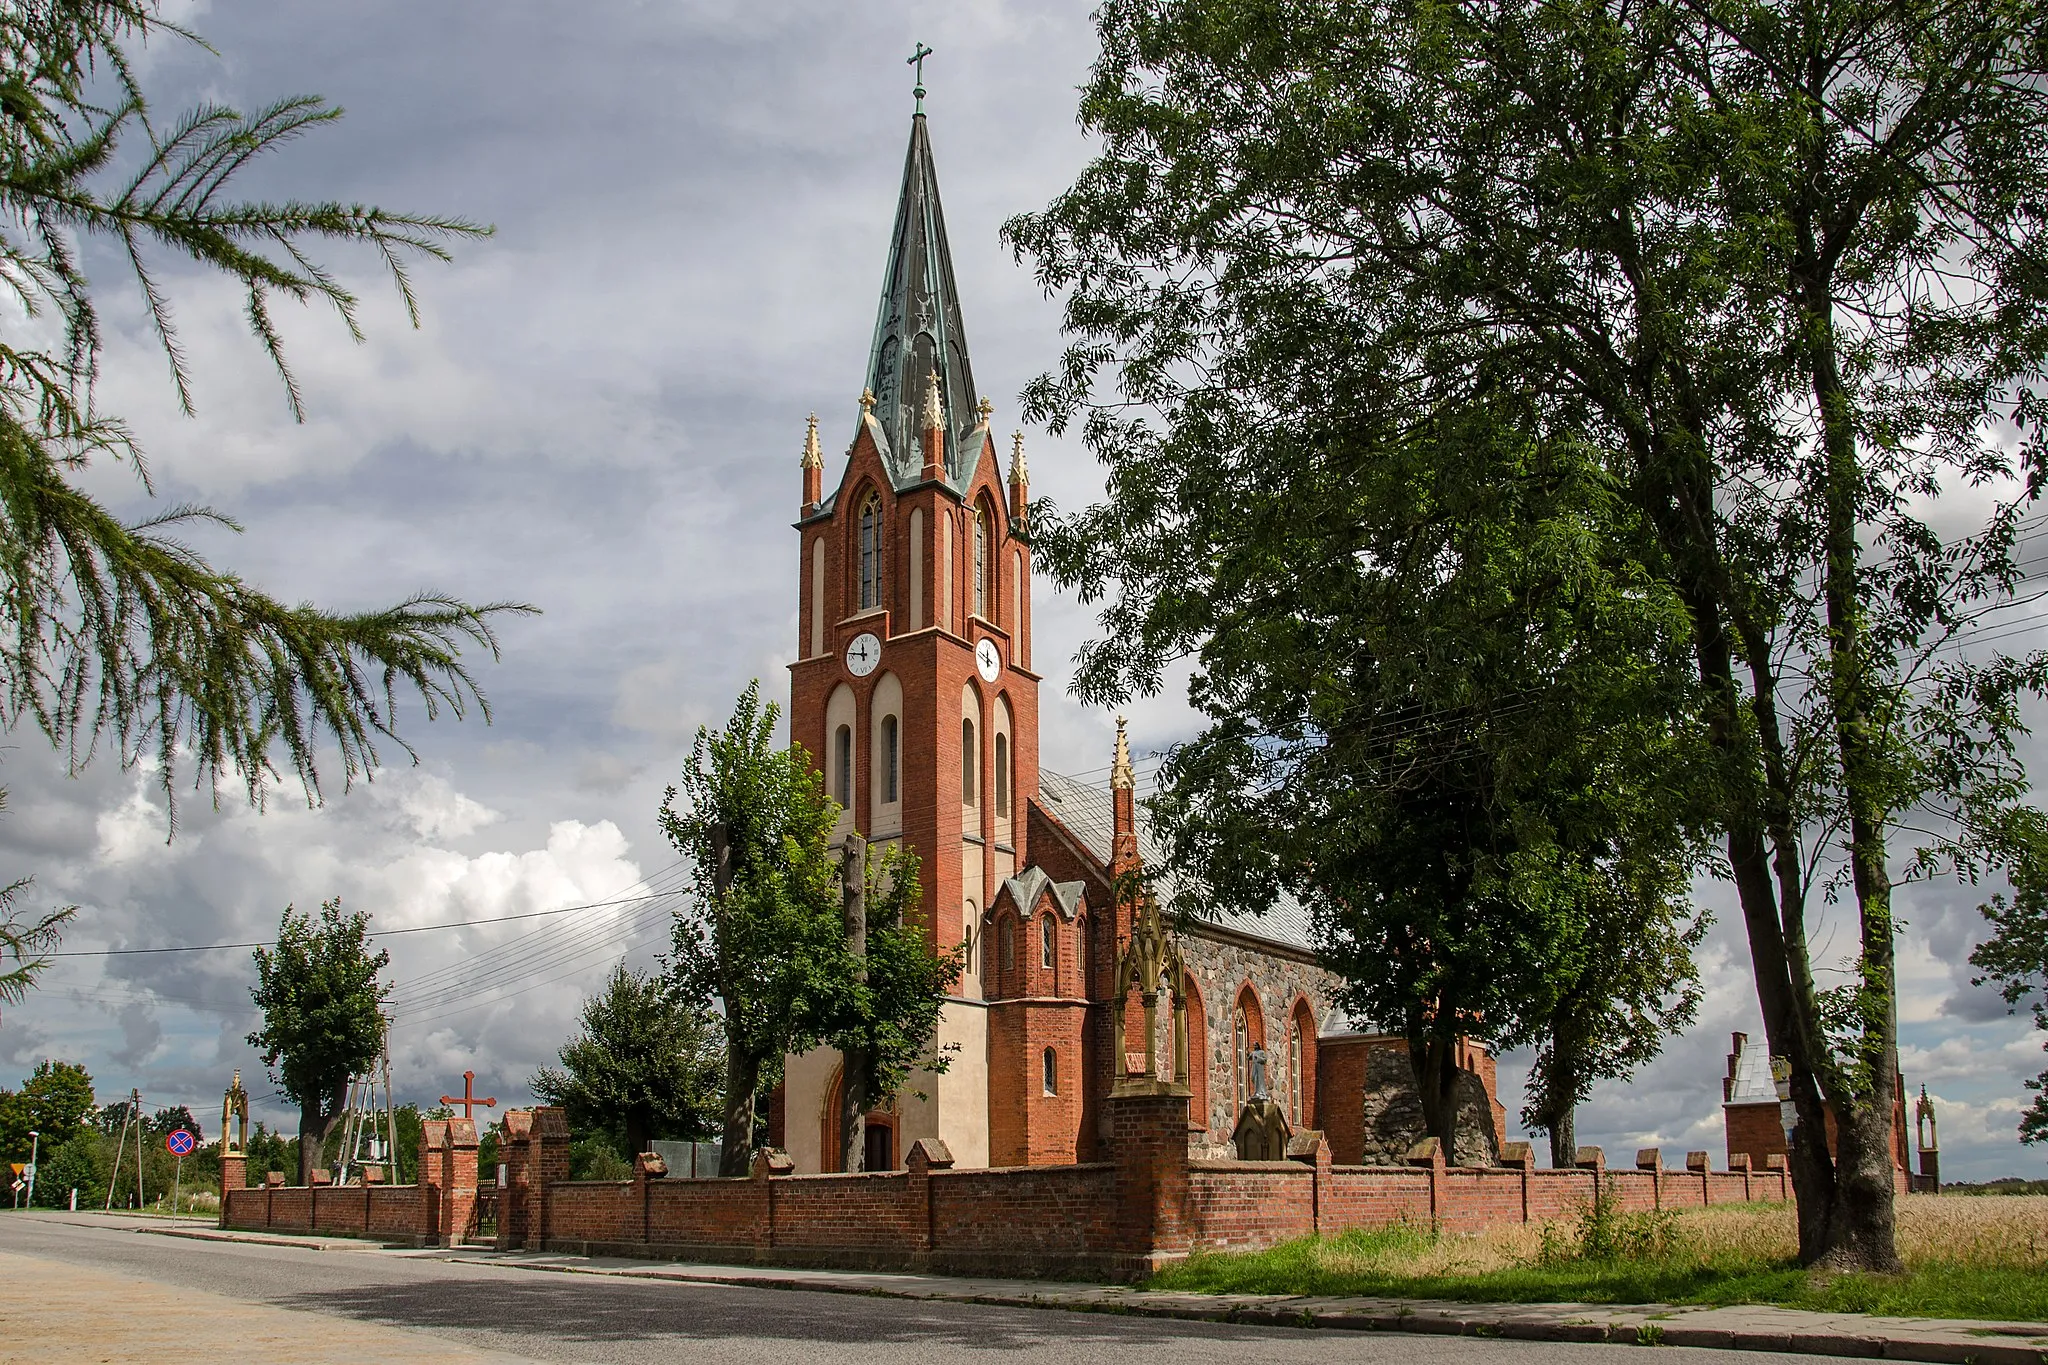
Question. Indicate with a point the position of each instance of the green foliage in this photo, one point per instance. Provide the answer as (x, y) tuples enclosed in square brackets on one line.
[(1605, 1233), (80, 1162), (119, 630), (55, 1100), (1776, 270), (26, 939), (595, 1158), (887, 1005), (648, 1064), (766, 938), (268, 1151), (2016, 955), (319, 994)]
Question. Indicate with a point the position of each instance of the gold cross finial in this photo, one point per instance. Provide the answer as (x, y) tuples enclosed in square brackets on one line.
[(867, 401), (985, 408)]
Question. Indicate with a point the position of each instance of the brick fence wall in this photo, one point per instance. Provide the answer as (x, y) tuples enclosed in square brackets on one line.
[(1148, 1206)]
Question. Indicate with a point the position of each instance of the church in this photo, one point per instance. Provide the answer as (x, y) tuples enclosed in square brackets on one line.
[(915, 690)]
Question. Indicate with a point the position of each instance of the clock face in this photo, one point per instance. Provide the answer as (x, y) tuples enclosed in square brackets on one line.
[(989, 660), (863, 653)]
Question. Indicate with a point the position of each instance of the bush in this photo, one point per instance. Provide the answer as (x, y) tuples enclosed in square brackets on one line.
[(593, 1158)]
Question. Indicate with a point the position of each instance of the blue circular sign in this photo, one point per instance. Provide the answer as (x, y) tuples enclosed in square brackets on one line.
[(181, 1142)]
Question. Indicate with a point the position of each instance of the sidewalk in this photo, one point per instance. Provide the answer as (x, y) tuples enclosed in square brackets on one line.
[(1752, 1328)]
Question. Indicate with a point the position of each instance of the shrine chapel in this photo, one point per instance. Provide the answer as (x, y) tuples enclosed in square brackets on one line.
[(916, 690)]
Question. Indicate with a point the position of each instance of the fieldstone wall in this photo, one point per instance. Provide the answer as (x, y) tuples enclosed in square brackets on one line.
[(1221, 970), (1393, 1114)]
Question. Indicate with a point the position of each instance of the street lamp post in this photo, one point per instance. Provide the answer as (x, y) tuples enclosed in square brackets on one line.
[(35, 1147)]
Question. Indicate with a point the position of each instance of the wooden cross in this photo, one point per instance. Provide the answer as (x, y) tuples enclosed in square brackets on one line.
[(469, 1101)]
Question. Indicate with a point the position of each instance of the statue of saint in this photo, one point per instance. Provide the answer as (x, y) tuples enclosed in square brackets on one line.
[(234, 1105), (1256, 1060)]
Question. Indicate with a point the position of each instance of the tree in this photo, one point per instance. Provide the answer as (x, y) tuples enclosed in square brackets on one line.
[(645, 1065), (1625, 985), (893, 988), (55, 1100), (2016, 954), (1777, 266), (766, 939), (319, 994)]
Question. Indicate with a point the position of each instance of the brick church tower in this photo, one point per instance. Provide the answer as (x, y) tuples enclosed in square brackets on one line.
[(913, 688)]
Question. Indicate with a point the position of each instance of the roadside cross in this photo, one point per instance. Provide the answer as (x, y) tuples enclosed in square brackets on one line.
[(469, 1101)]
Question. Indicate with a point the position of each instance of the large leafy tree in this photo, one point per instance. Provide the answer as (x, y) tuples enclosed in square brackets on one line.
[(766, 939), (1780, 265), (116, 631), (320, 998), (55, 1100), (647, 1064)]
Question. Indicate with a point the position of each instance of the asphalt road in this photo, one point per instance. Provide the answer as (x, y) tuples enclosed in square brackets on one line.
[(556, 1317)]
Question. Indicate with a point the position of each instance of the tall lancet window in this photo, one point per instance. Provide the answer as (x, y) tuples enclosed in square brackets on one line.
[(871, 553), (981, 563)]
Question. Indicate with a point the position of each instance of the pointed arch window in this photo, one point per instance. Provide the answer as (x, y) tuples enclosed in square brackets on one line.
[(1048, 943), (871, 552), (1049, 1072), (981, 562), (842, 780), (890, 766)]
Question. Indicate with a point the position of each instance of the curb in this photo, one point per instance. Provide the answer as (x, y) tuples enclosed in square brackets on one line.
[(1630, 1325)]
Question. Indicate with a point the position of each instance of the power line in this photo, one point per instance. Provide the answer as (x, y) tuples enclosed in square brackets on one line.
[(379, 933)]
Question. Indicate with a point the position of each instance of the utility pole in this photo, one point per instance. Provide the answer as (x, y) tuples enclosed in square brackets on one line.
[(120, 1147), (35, 1147)]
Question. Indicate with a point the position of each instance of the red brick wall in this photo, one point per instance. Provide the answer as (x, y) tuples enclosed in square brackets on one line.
[(1026, 1126), (1149, 1207)]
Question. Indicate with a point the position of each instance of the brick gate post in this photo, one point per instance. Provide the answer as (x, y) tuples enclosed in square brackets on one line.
[(433, 1143), (518, 1175), (1148, 1134), (458, 1181), (547, 1149), (234, 1175)]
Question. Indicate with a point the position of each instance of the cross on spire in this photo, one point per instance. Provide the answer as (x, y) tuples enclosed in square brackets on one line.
[(469, 1101), (916, 59)]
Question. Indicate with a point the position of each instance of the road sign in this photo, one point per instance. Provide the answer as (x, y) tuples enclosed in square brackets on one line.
[(19, 1166), (180, 1142)]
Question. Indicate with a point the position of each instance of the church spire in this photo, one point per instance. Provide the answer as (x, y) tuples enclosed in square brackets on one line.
[(918, 330)]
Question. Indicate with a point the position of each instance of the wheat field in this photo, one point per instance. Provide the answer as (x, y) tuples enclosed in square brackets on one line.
[(2004, 1232)]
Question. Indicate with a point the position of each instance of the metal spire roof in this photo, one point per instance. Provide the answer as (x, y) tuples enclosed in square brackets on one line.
[(918, 329)]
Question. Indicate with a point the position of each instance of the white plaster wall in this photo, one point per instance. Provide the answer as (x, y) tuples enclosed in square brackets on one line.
[(805, 1078), (960, 1096)]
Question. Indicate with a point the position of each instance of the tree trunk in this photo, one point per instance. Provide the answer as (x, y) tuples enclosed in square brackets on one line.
[(1564, 1136), (855, 1068), (1433, 1059), (316, 1121), (639, 1132), (742, 1078)]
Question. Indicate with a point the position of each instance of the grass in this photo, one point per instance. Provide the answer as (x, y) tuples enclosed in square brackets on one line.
[(1965, 1258)]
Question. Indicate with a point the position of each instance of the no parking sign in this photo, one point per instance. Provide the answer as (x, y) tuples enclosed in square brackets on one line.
[(180, 1142)]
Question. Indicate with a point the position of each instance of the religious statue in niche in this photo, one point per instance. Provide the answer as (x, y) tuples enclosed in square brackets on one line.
[(1262, 1129), (234, 1106)]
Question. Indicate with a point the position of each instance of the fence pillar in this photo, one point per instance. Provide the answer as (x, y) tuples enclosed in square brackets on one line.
[(1429, 1154), (547, 1147), (1148, 1127), (926, 1155), (234, 1175), (1520, 1157), (433, 1145), (512, 1211)]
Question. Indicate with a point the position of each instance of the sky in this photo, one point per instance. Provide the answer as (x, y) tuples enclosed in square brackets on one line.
[(601, 414)]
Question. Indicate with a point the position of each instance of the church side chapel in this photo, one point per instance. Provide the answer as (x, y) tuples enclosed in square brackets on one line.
[(914, 689)]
